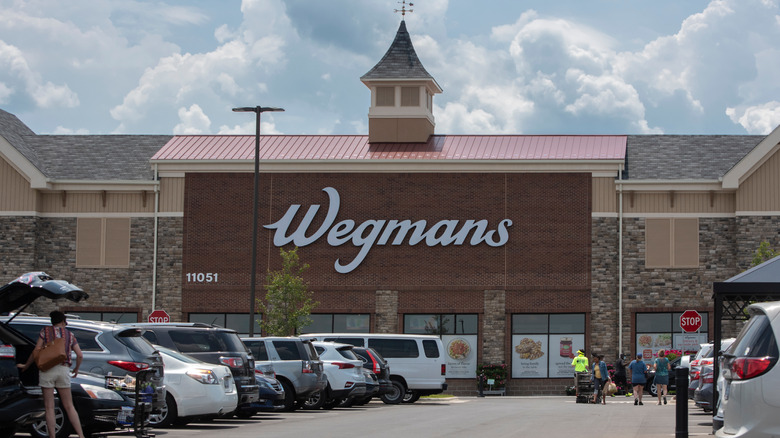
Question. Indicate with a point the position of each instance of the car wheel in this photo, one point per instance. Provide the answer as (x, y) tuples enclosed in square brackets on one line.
[(651, 389), (347, 402), (289, 397), (411, 397), (315, 400), (396, 393), (167, 415), (62, 426), (246, 413)]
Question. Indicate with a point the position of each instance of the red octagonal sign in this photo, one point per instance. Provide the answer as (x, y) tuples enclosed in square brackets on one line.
[(690, 321), (159, 316)]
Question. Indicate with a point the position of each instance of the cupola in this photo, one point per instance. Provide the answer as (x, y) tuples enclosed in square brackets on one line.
[(402, 92)]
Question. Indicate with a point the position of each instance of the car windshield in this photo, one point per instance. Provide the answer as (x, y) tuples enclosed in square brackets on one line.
[(347, 353), (178, 356), (134, 341), (191, 341)]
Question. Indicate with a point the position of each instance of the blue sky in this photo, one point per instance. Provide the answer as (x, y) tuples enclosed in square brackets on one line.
[(506, 67)]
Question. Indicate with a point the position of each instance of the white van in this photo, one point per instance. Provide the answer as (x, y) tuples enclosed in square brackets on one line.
[(417, 363)]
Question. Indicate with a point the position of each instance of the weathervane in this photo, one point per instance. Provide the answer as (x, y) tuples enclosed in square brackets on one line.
[(403, 9)]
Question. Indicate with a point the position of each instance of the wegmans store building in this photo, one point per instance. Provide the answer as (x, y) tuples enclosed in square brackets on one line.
[(526, 247)]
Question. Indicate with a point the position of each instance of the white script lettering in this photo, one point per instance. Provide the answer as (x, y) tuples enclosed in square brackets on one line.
[(380, 232)]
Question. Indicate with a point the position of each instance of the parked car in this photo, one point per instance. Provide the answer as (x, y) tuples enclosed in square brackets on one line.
[(751, 400), (100, 409), (705, 350), (344, 373), (271, 392), (374, 362), (20, 399), (372, 388), (211, 344), (702, 393), (295, 363), (417, 363), (107, 347), (194, 389)]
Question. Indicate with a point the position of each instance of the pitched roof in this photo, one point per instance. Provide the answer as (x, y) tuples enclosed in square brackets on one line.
[(14, 131), (97, 157), (356, 147), (400, 61), (675, 157)]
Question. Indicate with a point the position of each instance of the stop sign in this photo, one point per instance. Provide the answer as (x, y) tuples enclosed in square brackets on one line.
[(690, 321), (159, 316)]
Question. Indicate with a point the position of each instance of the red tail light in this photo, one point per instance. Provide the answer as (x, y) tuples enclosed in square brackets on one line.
[(708, 378), (133, 367), (443, 369), (743, 368), (232, 362), (306, 368), (343, 365), (376, 367), (695, 375)]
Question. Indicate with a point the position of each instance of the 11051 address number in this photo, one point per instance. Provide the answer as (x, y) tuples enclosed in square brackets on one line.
[(201, 277)]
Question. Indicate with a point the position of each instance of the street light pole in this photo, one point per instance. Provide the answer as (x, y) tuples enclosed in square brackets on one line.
[(253, 276)]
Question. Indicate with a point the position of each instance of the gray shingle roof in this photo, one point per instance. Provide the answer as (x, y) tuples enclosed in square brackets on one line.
[(97, 157), (14, 131), (671, 157), (400, 61)]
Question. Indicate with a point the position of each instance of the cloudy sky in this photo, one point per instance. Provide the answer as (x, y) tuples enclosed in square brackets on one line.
[(506, 66)]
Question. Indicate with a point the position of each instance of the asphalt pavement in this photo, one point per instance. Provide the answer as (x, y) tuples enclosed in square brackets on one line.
[(484, 417)]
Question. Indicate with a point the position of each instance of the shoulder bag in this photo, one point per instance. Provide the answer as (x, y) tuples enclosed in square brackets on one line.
[(51, 354)]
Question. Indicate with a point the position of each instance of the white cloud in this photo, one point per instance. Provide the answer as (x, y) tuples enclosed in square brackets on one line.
[(758, 119), (45, 95), (5, 93), (193, 121), (60, 130)]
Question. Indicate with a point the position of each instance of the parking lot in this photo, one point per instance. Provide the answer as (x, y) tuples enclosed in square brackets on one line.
[(551, 417)]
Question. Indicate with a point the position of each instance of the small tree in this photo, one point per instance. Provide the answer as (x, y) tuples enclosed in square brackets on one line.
[(288, 302), (763, 253)]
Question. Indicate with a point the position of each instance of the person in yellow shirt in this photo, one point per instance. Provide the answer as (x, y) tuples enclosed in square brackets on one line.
[(580, 364)]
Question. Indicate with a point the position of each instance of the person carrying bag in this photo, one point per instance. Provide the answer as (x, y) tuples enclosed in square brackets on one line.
[(52, 357)]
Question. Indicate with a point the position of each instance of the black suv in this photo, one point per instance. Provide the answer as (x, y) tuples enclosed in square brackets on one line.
[(210, 344), (374, 362), (20, 405)]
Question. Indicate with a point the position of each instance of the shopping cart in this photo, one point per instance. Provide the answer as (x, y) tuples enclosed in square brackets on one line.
[(584, 388), (147, 390)]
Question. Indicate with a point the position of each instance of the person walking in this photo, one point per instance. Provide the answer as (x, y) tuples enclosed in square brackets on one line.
[(600, 377), (638, 377), (58, 376), (662, 366), (580, 364), (620, 373)]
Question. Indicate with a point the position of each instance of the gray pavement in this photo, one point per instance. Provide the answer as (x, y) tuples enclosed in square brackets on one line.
[(494, 416)]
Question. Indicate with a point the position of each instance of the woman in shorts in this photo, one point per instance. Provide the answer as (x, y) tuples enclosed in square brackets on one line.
[(638, 379), (662, 368), (59, 375)]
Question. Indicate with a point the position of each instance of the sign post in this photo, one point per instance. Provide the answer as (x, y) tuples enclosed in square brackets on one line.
[(159, 316), (690, 321)]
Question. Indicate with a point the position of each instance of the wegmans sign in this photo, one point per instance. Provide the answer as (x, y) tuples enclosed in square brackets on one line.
[(380, 232)]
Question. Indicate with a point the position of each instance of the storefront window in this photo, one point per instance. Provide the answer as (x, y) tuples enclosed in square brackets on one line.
[(338, 323), (117, 317), (458, 333), (543, 345), (234, 321), (662, 331)]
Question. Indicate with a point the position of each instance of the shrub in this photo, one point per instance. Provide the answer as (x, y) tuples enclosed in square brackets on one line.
[(497, 372)]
